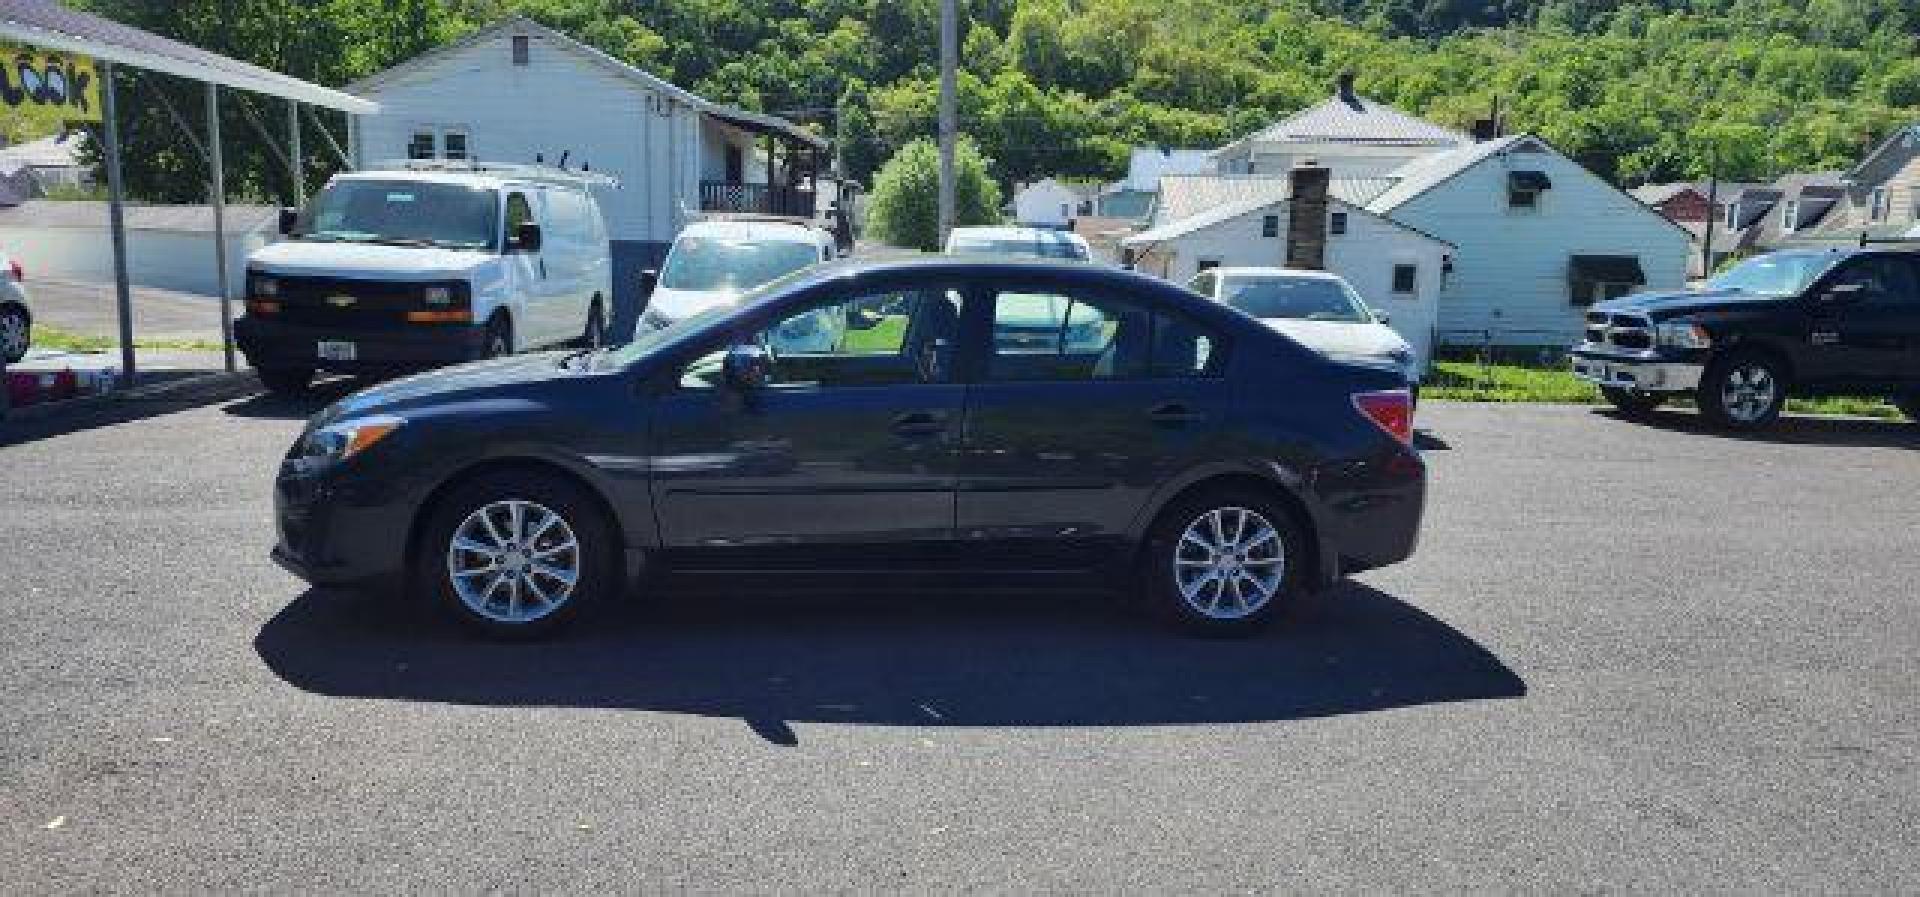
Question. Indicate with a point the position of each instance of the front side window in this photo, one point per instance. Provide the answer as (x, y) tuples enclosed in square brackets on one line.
[(712, 264), (1046, 335), (401, 212), (1878, 280), (518, 212), (873, 339)]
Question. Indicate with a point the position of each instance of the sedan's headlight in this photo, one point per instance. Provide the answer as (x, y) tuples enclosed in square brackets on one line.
[(1684, 335), (265, 286), (339, 441)]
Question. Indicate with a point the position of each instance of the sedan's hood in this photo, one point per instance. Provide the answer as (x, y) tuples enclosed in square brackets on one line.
[(676, 304), (1342, 339), (510, 374), (1686, 302), (365, 260)]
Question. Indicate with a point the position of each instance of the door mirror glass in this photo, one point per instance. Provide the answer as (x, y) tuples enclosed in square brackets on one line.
[(1383, 317), (649, 279), (747, 366), (289, 221), (526, 238)]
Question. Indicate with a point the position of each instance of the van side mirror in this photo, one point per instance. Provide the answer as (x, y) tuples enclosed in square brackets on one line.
[(526, 238), (1383, 317), (747, 366), (648, 280), (289, 221)]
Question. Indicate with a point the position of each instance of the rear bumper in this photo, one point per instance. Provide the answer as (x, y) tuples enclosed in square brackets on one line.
[(270, 343), (1643, 374)]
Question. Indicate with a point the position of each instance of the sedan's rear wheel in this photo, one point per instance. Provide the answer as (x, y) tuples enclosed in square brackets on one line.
[(516, 553), (1225, 563)]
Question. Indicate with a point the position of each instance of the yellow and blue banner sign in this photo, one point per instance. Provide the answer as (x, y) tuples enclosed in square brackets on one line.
[(63, 85)]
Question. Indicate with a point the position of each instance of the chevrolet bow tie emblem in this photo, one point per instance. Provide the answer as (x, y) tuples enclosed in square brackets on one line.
[(341, 301)]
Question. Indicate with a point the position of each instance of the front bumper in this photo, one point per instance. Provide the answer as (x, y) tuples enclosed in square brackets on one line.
[(270, 343), (335, 531), (1642, 373)]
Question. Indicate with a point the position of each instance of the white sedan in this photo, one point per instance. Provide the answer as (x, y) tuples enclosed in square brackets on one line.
[(1319, 310)]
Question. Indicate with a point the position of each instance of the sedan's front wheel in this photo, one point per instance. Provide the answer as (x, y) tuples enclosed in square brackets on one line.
[(1225, 562), (516, 553)]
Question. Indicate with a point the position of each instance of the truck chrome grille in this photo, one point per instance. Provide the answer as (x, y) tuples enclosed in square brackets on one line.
[(1619, 331)]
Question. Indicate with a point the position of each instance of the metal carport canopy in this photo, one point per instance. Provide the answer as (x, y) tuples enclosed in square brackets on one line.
[(45, 23)]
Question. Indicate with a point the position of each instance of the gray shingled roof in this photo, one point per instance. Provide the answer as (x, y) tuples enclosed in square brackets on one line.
[(1356, 120), (1185, 195), (1232, 210)]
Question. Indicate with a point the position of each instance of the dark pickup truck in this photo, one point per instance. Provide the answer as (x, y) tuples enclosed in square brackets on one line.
[(1803, 322)]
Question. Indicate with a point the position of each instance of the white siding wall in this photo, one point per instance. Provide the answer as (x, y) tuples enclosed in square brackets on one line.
[(1040, 203), (1510, 272), (558, 102), (1365, 255), (167, 259)]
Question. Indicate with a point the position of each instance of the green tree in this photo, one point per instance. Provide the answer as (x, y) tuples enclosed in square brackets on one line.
[(906, 195)]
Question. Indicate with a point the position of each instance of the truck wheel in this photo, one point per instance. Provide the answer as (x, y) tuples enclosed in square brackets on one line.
[(285, 381), (1742, 392), (16, 333), (1632, 402), (499, 341)]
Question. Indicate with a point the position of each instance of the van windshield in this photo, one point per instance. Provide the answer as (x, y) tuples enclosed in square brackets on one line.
[(730, 266), (402, 213)]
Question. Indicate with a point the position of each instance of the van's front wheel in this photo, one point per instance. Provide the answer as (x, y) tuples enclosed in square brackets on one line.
[(291, 381), (499, 339)]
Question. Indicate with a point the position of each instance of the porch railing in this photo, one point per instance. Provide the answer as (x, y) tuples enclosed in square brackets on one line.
[(726, 196)]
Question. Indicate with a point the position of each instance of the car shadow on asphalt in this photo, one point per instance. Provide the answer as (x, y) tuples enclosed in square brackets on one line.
[(266, 405), (1790, 429), (942, 660)]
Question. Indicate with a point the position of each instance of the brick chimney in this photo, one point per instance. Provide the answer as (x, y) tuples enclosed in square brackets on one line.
[(1307, 217), (1343, 88)]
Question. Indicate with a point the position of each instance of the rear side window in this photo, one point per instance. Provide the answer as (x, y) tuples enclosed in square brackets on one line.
[(1051, 336)]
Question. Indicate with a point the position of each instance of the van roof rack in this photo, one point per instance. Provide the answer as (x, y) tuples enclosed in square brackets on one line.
[(521, 171)]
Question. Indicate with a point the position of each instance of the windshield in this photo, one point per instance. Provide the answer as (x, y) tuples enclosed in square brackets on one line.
[(730, 266), (1038, 247), (1773, 275), (409, 213), (1306, 298)]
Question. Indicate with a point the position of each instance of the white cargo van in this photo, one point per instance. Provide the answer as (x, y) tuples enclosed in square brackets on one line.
[(401, 269)]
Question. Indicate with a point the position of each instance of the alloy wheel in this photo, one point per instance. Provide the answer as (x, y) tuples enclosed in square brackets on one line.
[(1229, 563), (1748, 392), (514, 561), (13, 335)]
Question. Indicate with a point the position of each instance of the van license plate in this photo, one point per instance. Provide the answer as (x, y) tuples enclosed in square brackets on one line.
[(335, 350)]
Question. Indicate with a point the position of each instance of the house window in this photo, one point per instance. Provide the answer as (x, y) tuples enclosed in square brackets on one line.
[(1592, 278), (1404, 277), (520, 52), (421, 145), (1733, 215), (1789, 217), (453, 145), (1524, 188), (1337, 223), (1270, 226), (1065, 211), (1877, 207), (1206, 264)]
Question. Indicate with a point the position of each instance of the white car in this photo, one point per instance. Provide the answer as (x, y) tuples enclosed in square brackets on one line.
[(1029, 242), (1319, 310), (16, 319), (712, 262), (392, 270)]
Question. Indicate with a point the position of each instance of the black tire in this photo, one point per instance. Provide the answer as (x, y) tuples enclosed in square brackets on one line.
[(499, 339), (1729, 397), (595, 558), (290, 382), (596, 332), (1632, 402), (16, 333), (1170, 560)]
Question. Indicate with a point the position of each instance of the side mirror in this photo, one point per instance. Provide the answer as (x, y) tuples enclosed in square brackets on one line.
[(1842, 292), (747, 366), (1383, 317), (289, 221), (526, 238), (648, 280)]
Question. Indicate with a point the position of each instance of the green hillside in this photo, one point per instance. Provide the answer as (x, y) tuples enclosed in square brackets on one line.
[(1639, 91)]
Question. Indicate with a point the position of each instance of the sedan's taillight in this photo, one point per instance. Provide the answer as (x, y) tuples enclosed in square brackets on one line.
[(19, 273), (1390, 410)]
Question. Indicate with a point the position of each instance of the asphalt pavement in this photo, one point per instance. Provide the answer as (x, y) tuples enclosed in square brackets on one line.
[(1626, 657)]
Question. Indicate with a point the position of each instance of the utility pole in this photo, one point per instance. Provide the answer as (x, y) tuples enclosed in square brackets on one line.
[(949, 61), (1713, 213)]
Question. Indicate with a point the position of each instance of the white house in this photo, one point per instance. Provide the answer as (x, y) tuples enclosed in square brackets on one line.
[(1132, 196), (519, 92), (1539, 238), (1051, 203), (1348, 134), (1396, 268)]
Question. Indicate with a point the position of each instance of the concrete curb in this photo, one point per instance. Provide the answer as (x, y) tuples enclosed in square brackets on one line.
[(237, 382)]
